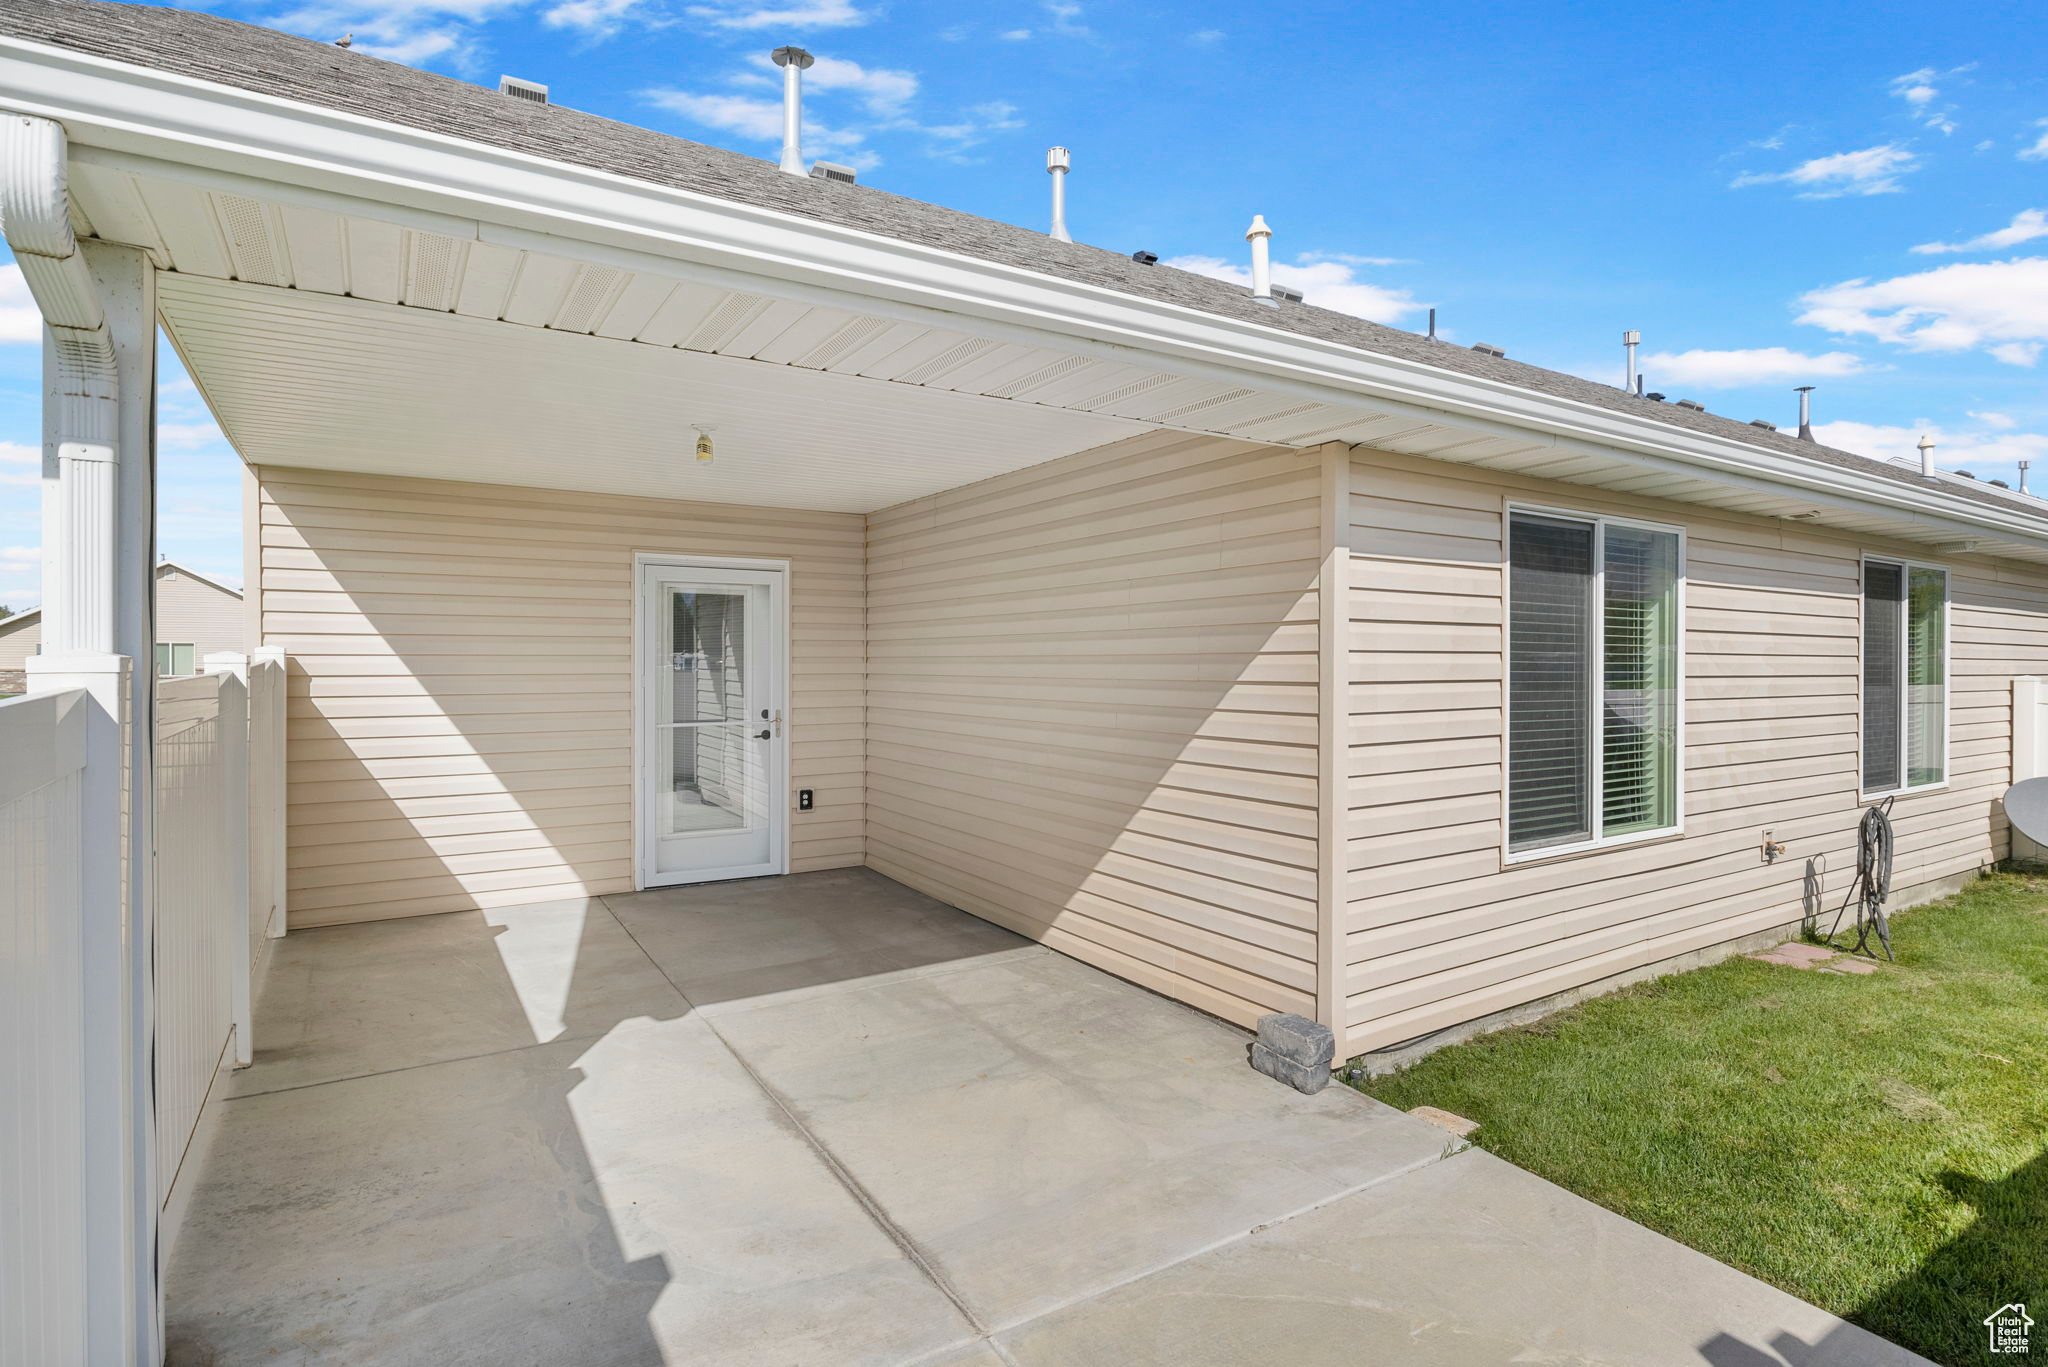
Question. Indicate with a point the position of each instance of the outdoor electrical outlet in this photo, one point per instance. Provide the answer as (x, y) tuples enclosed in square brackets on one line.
[(1772, 849), (803, 799)]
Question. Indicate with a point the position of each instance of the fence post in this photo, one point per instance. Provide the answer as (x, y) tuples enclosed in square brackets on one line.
[(232, 669), (2028, 696), (267, 704)]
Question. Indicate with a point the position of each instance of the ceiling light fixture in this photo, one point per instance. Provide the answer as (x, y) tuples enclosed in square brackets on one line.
[(704, 431)]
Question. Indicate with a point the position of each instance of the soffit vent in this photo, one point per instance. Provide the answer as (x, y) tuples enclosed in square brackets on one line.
[(833, 171), (531, 91)]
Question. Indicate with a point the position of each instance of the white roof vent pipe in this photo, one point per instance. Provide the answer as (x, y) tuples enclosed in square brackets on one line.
[(1057, 160), (792, 60), (1260, 236), (1805, 393), (1927, 455)]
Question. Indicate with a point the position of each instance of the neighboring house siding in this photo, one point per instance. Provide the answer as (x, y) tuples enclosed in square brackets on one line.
[(188, 610), (461, 692), (18, 641), (1092, 711), (191, 610), (1439, 932)]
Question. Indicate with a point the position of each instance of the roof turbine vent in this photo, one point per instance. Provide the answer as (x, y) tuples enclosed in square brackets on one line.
[(792, 60)]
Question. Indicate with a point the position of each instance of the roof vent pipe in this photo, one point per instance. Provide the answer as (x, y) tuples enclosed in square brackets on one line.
[(1260, 236), (792, 60), (2023, 475), (1629, 342), (1056, 163), (1927, 455), (1805, 393)]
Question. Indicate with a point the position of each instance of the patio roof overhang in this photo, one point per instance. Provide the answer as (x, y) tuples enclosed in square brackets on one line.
[(339, 284)]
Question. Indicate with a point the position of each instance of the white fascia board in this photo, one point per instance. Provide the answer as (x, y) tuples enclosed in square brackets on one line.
[(530, 201)]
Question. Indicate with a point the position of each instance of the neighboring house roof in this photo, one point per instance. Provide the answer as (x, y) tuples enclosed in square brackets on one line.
[(20, 619), (225, 51)]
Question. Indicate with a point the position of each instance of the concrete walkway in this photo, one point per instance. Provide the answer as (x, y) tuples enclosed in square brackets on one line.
[(823, 1119)]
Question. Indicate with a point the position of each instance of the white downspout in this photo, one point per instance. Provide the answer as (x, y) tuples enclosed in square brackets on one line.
[(1260, 236), (79, 502)]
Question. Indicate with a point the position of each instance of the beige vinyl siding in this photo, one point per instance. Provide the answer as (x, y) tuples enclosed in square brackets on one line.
[(461, 709), (1441, 931), (1092, 711), (189, 610), (19, 640), (193, 611)]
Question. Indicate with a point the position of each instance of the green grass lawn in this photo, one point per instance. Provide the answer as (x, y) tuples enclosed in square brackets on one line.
[(1874, 1145)]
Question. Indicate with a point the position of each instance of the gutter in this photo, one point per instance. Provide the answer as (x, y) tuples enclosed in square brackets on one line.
[(288, 149)]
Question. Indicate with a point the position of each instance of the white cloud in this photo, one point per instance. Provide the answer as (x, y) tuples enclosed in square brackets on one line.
[(14, 453), (2038, 150), (1205, 37), (2026, 225), (598, 18), (885, 97), (882, 91), (801, 14), (1734, 369), (1324, 282), (1016, 35), (1999, 306), (1997, 420), (414, 32), (1919, 91), (23, 480), (1066, 18), (19, 319), (1981, 453), (1870, 171)]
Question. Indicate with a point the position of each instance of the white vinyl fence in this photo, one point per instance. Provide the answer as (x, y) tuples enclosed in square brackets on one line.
[(219, 878), (2029, 748), (68, 1112)]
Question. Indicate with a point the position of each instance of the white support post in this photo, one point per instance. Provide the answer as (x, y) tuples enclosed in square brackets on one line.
[(232, 667), (2028, 734)]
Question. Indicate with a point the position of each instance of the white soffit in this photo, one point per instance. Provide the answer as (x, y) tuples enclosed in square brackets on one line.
[(313, 380)]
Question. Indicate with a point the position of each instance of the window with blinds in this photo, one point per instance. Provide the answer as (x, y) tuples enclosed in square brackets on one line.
[(1905, 676), (1593, 680)]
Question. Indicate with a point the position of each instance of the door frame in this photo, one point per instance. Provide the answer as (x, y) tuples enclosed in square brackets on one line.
[(777, 775)]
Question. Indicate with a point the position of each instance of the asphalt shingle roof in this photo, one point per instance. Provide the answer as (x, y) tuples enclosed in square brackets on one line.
[(248, 57)]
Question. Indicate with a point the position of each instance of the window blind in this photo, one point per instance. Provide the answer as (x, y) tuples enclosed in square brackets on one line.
[(1593, 670), (1884, 600), (1905, 676), (1550, 713)]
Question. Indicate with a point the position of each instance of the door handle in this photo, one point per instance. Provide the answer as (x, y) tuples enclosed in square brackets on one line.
[(765, 735)]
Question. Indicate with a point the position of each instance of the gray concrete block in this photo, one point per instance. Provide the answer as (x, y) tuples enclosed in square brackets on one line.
[(1307, 1078), (1298, 1039)]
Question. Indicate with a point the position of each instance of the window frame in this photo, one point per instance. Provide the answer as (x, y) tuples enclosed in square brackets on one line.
[(1948, 622), (1598, 694), (172, 658)]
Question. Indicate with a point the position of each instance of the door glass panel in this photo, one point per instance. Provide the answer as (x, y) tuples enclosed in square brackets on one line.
[(712, 768)]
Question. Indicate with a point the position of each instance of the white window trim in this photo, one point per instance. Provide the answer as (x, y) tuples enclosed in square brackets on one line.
[(1600, 523), (172, 646), (1948, 614)]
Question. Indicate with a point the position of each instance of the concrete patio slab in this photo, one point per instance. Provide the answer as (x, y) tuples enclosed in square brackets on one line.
[(347, 1001), (1043, 1131), (634, 1200), (1467, 1261), (887, 1133)]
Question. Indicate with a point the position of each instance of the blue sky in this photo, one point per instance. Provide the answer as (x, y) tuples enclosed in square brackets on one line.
[(1849, 195)]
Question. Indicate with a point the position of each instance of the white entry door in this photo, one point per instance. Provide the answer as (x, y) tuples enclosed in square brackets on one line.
[(712, 800)]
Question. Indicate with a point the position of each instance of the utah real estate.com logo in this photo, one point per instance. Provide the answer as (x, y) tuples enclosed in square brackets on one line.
[(2008, 1325)]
